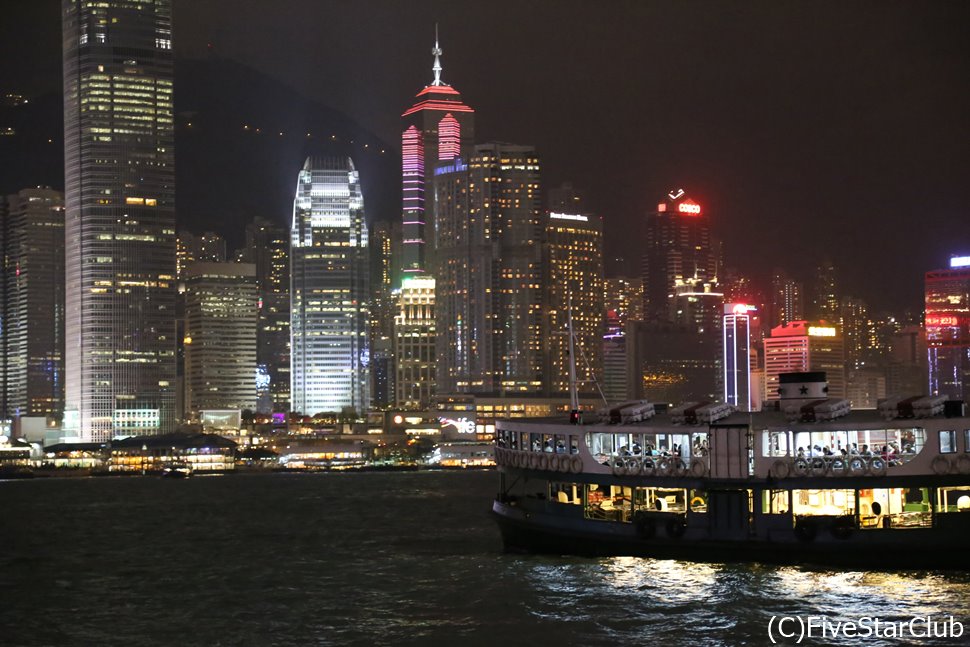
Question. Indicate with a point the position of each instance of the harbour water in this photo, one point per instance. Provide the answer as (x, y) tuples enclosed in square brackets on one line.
[(381, 559)]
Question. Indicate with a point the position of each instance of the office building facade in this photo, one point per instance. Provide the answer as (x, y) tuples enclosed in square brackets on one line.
[(414, 343), (801, 347), (32, 304), (119, 218), (948, 329), (489, 289), (329, 292), (221, 314), (573, 266)]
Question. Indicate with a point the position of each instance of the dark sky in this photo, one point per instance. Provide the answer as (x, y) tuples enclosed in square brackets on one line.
[(805, 129)]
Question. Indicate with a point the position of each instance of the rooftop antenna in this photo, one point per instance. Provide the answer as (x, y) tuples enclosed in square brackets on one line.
[(436, 52)]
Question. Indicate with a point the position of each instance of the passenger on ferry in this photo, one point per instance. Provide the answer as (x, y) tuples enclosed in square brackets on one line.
[(854, 450), (535, 445), (625, 450), (865, 451), (548, 446), (801, 452), (637, 450), (560, 447)]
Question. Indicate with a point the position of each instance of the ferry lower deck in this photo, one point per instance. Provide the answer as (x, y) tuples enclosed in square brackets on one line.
[(904, 525)]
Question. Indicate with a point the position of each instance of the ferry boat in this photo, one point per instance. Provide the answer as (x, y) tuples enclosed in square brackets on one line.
[(809, 482)]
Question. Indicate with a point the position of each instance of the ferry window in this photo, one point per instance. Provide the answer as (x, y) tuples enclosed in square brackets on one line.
[(894, 508), (698, 501), (775, 502), (966, 440), (548, 444), (564, 493), (573, 444), (699, 445), (953, 499), (948, 441), (834, 503)]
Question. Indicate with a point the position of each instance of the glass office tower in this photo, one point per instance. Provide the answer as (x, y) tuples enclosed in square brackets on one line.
[(329, 313), (119, 218)]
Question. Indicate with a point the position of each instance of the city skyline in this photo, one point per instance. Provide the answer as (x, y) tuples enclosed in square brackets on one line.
[(776, 164)]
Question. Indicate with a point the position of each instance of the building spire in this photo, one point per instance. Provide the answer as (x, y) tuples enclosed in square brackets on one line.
[(436, 52)]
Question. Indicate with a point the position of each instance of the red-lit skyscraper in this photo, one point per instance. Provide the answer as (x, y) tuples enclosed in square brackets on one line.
[(948, 329), (438, 128)]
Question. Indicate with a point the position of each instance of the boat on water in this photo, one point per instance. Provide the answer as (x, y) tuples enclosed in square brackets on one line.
[(809, 482), (177, 470)]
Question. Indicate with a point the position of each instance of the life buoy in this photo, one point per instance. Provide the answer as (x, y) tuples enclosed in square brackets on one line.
[(575, 464), (534, 461), (521, 460), (663, 466), (619, 467), (837, 467), (676, 527), (842, 527), (543, 462), (816, 467), (633, 466), (675, 467), (805, 530), (781, 469), (857, 466), (877, 466), (646, 526), (649, 467), (698, 468), (800, 467), (963, 464), (940, 465)]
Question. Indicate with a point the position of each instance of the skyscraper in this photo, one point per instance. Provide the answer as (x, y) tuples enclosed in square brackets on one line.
[(268, 248), (414, 343), (948, 329), (800, 347), (573, 265), (329, 313), (787, 303), (739, 389), (437, 127), (489, 278), (220, 336), (825, 295), (32, 304), (678, 247), (119, 217)]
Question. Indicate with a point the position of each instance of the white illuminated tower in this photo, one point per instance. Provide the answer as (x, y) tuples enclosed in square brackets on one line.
[(329, 314), (737, 354), (119, 177)]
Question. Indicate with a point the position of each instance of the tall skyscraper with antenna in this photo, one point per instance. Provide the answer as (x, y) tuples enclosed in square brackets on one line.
[(119, 176), (438, 127)]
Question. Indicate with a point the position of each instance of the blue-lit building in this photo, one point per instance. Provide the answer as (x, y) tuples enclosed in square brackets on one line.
[(329, 313)]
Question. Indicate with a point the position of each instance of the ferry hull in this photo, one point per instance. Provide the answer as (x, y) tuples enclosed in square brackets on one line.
[(540, 532)]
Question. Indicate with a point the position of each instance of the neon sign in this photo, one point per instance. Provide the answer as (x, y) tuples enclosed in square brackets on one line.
[(819, 331), (942, 320), (960, 261), (462, 425), (673, 195), (689, 207)]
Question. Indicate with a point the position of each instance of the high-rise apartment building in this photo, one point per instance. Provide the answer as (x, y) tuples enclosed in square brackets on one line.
[(437, 127), (623, 303), (329, 293), (678, 246), (489, 280), (414, 343), (208, 247), (825, 298), (32, 304), (573, 265), (948, 329), (221, 312), (119, 218), (801, 347), (787, 302), (268, 248)]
